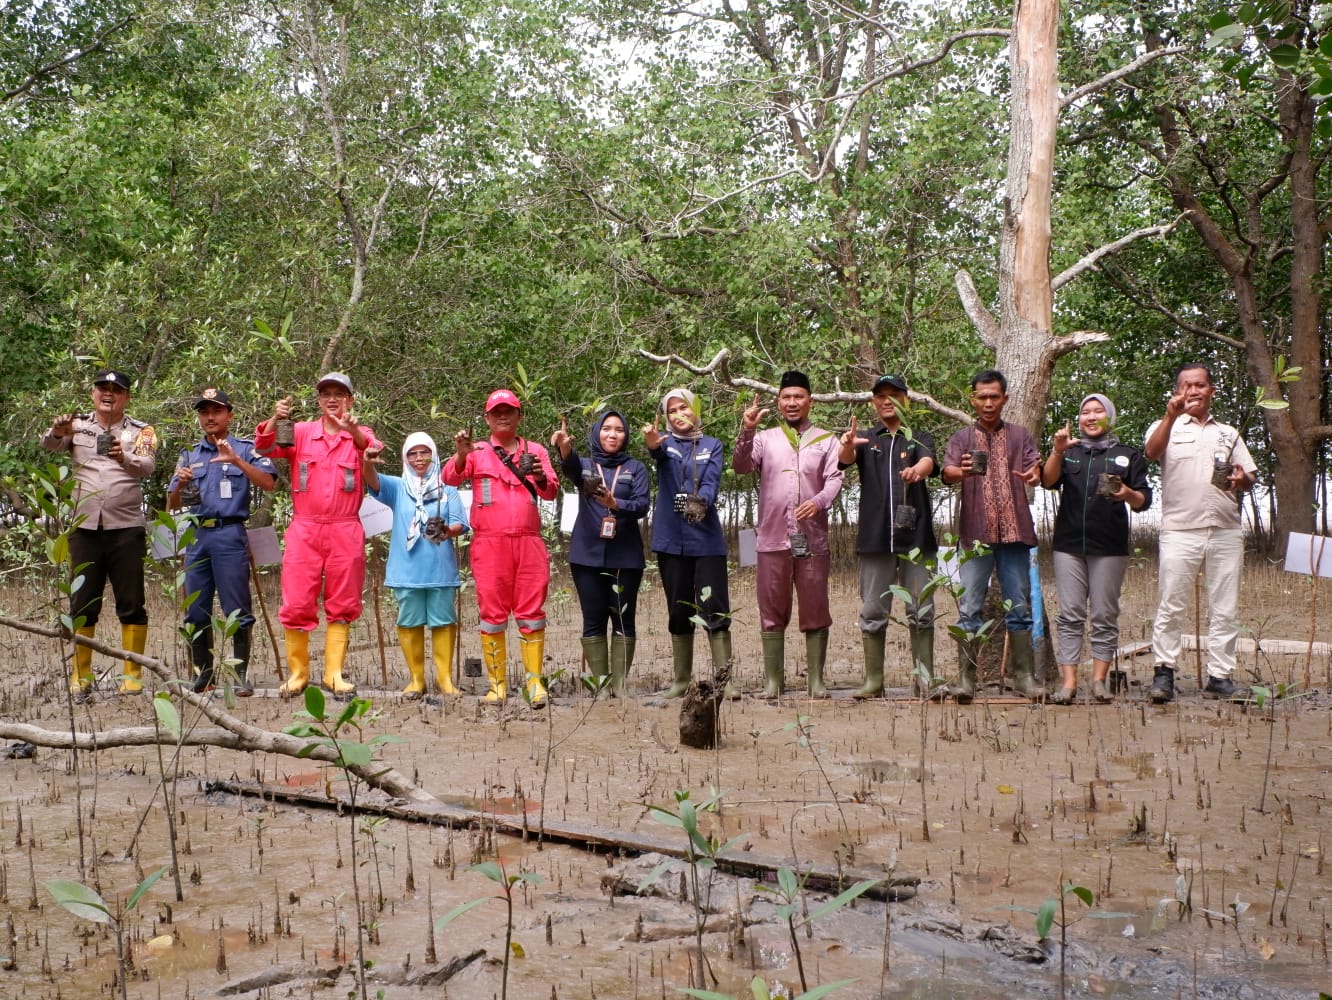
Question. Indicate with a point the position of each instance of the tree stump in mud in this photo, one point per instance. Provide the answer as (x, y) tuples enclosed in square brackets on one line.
[(699, 710)]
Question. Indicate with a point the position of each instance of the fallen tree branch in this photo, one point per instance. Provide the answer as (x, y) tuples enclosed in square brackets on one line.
[(239, 735), (583, 835), (719, 368)]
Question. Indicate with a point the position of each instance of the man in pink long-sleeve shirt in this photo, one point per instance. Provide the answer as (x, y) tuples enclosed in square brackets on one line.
[(509, 560), (797, 485), (324, 547)]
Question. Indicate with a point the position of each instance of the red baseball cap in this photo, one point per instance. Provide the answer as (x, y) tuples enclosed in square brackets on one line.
[(502, 397)]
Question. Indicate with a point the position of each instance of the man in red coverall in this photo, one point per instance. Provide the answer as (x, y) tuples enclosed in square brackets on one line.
[(324, 547), (509, 560)]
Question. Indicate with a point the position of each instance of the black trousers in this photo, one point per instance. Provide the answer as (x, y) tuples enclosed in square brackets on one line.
[(607, 595), (695, 589), (99, 555)]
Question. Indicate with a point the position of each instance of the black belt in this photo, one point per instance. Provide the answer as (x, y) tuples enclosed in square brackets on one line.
[(219, 522)]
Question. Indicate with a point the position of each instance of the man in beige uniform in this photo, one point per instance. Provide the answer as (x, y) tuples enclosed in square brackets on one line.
[(113, 454), (1200, 529)]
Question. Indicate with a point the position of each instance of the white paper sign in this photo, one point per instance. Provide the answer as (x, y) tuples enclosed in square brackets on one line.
[(569, 513), (264, 546), (376, 517), (748, 539), (166, 544), (1308, 554)]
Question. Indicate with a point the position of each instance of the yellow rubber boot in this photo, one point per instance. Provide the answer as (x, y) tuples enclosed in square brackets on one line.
[(495, 656), (412, 641), (298, 663), (81, 677), (443, 641), (534, 652), (335, 654), (133, 639)]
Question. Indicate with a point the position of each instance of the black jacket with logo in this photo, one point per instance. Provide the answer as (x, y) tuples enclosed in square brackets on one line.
[(880, 461), (1088, 524)]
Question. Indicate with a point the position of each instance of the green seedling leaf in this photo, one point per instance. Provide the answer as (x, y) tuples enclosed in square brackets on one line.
[(787, 882), (1083, 893), (314, 702), (818, 992), (79, 900), (658, 870), (166, 714), (355, 754), (1045, 917), (143, 887), (490, 870), (841, 899), (459, 910), (759, 989)]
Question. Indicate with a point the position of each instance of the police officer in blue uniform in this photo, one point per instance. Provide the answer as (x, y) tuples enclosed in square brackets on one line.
[(212, 483)]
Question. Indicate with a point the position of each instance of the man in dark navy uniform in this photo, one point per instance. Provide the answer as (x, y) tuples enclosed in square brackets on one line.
[(212, 483)]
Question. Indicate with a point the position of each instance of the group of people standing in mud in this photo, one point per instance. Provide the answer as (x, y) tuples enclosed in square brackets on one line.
[(801, 468)]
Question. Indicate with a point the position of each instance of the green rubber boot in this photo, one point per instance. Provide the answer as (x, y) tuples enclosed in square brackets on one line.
[(873, 643), (682, 664), (816, 652), (774, 662)]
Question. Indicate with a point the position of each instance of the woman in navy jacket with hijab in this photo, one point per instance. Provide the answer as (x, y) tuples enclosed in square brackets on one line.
[(606, 550)]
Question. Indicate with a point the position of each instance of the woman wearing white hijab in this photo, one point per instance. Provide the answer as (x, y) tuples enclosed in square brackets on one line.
[(1100, 480), (422, 569)]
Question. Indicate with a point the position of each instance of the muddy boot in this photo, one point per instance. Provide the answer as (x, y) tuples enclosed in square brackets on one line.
[(532, 645), (1163, 685), (816, 653), (335, 655), (682, 664), (81, 675), (873, 643), (133, 639), (1024, 667), (201, 655), (240, 652), (412, 643), (965, 688), (495, 656), (923, 682), (298, 663), (621, 659), (443, 642), (774, 662), (596, 651), (719, 644)]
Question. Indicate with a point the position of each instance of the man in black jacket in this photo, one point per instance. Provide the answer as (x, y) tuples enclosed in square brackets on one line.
[(896, 519)]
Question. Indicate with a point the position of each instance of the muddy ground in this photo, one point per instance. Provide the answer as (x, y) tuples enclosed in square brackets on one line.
[(1224, 806)]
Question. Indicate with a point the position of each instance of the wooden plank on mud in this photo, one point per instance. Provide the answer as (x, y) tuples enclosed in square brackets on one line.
[(585, 835), (1291, 647)]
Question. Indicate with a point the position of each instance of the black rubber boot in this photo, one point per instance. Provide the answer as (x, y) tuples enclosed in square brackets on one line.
[(240, 651), (201, 652), (1163, 685)]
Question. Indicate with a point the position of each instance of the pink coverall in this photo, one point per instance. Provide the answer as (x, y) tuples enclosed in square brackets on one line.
[(325, 543), (509, 559)]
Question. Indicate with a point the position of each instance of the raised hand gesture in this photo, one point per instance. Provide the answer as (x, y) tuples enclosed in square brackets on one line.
[(1064, 439), (754, 415), (562, 439), (652, 434)]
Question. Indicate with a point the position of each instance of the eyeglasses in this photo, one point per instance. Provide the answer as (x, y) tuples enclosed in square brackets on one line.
[(333, 394)]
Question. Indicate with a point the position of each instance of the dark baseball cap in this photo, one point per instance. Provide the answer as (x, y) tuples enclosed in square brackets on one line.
[(211, 395), (889, 382), (114, 376)]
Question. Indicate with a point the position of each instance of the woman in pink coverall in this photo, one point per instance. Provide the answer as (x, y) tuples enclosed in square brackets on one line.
[(509, 560), (324, 547)]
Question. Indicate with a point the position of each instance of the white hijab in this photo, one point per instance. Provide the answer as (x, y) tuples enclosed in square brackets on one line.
[(423, 490)]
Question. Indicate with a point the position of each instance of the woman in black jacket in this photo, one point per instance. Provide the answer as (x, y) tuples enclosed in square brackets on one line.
[(1100, 480), (606, 549)]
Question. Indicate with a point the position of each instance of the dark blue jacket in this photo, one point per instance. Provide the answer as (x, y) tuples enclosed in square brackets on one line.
[(687, 467), (632, 489)]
